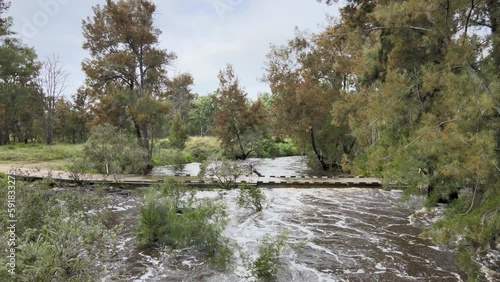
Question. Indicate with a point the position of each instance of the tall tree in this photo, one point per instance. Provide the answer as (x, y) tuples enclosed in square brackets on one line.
[(71, 119), (52, 80), (20, 104), (424, 105), (126, 62), (237, 121), (304, 86), (180, 94), (4, 22), (178, 133), (201, 116)]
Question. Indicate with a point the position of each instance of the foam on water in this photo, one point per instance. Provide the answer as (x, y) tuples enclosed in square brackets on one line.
[(333, 235), (284, 166)]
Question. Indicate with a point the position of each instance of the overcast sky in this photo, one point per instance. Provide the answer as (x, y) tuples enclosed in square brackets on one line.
[(205, 34)]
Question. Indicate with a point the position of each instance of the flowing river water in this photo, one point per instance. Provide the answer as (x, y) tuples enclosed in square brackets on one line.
[(347, 234)]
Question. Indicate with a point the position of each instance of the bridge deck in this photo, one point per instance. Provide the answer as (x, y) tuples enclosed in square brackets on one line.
[(301, 181)]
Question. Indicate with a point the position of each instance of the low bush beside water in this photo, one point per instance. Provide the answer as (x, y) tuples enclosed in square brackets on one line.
[(172, 216), (170, 157), (60, 236), (265, 266), (226, 171), (251, 197), (108, 151), (276, 147), (482, 219), (199, 149)]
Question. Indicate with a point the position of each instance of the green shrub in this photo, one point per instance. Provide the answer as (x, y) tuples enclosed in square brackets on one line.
[(178, 133), (265, 267), (276, 147), (77, 169), (482, 219), (179, 192), (200, 149), (287, 147), (172, 216), (109, 151), (251, 197), (162, 144), (152, 224), (66, 249), (171, 157), (58, 237), (226, 171)]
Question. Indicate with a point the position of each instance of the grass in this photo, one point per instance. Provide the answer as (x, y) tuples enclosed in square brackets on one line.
[(206, 139), (54, 156)]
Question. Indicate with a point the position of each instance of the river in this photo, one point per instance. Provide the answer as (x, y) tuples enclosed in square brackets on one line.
[(348, 234)]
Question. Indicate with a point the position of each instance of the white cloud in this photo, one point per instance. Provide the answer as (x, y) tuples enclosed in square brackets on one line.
[(205, 34)]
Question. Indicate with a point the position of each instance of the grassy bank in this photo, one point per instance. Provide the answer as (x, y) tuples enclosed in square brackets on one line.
[(54, 156)]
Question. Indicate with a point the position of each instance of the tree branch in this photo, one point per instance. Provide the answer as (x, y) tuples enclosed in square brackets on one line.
[(379, 28), (439, 125)]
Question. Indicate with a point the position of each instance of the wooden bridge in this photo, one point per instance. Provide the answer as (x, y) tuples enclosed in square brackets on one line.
[(271, 181)]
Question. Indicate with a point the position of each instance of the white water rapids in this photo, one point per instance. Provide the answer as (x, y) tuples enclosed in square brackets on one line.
[(347, 234), (334, 235)]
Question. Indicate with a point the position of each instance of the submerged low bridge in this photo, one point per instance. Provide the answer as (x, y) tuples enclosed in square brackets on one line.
[(270, 181)]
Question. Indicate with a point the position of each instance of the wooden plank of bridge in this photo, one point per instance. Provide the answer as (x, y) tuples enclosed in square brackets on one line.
[(140, 181)]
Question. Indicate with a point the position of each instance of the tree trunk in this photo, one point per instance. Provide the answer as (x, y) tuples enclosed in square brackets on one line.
[(325, 163), (494, 13), (147, 146), (243, 155), (49, 126)]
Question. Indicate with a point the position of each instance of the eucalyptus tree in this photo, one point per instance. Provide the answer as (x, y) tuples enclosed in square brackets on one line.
[(20, 99), (305, 79), (127, 68), (237, 120)]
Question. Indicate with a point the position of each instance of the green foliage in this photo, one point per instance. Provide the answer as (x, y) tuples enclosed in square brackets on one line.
[(77, 169), (468, 265), (200, 149), (238, 122), (481, 219), (179, 192), (201, 115), (178, 133), (108, 150), (60, 236), (170, 157), (181, 96), (266, 266), (276, 147), (20, 100), (127, 85), (172, 216), (70, 119), (226, 171), (420, 98), (152, 223), (251, 197), (304, 87), (62, 251)]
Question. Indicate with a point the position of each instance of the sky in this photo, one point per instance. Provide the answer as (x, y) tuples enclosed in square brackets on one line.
[(205, 34)]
